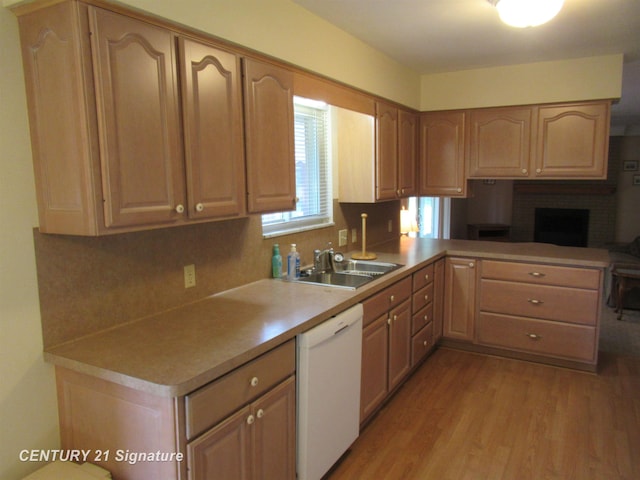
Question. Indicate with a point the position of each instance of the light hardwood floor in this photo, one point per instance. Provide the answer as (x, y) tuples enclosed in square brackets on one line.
[(469, 416)]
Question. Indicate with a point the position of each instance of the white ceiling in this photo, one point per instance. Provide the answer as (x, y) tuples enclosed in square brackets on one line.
[(432, 36)]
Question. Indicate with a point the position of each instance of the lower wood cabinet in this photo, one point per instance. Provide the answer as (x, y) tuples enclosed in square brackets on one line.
[(546, 310), (240, 426), (386, 345), (460, 298), (257, 441)]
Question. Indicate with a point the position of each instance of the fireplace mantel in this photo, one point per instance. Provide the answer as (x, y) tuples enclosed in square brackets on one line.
[(564, 189)]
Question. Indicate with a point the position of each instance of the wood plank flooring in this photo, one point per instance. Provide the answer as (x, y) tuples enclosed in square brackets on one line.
[(468, 416)]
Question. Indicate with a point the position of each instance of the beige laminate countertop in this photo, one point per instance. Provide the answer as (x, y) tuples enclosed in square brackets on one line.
[(174, 352)]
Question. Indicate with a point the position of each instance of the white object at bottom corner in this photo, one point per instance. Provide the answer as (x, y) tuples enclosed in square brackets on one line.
[(69, 471)]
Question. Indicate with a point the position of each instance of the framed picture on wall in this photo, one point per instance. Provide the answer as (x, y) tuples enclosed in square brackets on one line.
[(636, 180), (630, 166)]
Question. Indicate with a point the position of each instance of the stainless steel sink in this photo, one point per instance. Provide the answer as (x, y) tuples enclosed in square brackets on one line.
[(350, 274)]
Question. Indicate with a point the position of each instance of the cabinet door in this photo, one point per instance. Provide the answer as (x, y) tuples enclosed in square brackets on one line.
[(268, 97), (224, 451), (499, 142), (137, 101), (399, 343), (374, 366), (212, 119), (407, 153), (460, 298), (442, 154), (274, 453), (438, 299), (572, 141), (386, 151)]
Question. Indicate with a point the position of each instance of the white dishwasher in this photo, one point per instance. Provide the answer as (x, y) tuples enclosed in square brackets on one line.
[(328, 376)]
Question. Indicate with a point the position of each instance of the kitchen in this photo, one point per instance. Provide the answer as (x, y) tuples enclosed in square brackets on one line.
[(124, 269)]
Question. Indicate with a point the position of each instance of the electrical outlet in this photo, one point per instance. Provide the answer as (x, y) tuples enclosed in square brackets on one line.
[(390, 226), (189, 276), (342, 237), (354, 235)]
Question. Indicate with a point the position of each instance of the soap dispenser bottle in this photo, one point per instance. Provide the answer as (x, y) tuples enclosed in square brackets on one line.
[(276, 262), (293, 263)]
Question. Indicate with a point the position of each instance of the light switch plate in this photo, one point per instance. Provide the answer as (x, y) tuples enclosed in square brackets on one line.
[(189, 276), (342, 237)]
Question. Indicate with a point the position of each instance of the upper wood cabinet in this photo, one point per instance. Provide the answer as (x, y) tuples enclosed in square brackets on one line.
[(386, 151), (268, 98), (442, 154), (567, 141), (106, 125), (499, 142), (407, 153), (213, 130), (138, 120), (572, 140), (376, 157)]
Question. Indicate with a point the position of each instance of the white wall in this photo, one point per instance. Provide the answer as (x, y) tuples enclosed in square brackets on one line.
[(28, 413), (543, 82)]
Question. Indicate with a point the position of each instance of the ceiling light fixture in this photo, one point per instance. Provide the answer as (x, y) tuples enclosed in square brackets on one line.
[(527, 13)]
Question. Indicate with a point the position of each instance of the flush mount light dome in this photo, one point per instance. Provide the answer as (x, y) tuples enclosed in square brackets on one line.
[(527, 13)]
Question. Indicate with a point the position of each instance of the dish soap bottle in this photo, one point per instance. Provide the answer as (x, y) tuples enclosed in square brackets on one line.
[(276, 262), (293, 263)]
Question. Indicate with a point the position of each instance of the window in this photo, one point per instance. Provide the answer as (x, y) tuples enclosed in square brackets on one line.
[(433, 215), (314, 208)]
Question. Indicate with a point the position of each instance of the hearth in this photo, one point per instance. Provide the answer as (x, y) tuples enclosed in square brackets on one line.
[(562, 226)]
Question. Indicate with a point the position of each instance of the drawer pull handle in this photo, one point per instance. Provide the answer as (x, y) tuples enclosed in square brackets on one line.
[(250, 419), (534, 301), (537, 274), (533, 336), (254, 382), (260, 413)]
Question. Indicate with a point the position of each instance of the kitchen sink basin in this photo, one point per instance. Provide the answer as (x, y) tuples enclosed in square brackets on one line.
[(350, 274)]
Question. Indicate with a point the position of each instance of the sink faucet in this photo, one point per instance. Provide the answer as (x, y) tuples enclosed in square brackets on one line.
[(323, 260)]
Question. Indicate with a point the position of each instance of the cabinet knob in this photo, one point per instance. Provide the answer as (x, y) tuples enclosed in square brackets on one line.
[(426, 318), (538, 170), (398, 193), (524, 171), (426, 277), (533, 336), (535, 301), (199, 207), (459, 190), (395, 317), (536, 274), (389, 321), (250, 419), (392, 298), (254, 382), (180, 208), (471, 265), (260, 413), (426, 298), (424, 343)]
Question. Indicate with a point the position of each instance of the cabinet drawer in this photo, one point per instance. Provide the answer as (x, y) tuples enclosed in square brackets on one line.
[(540, 301), (422, 277), (421, 318), (422, 297), (208, 405), (542, 274), (421, 343), (576, 342), (381, 302)]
